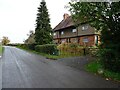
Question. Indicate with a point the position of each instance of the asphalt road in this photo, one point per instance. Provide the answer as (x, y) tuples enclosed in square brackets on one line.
[(21, 69)]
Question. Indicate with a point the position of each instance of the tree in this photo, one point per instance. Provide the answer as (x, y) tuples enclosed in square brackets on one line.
[(43, 30), (5, 40), (105, 17), (31, 38)]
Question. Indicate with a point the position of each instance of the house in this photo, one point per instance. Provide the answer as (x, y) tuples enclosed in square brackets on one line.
[(66, 32)]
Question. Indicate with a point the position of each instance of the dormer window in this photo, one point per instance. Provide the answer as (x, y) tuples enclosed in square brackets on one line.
[(62, 33), (85, 27), (74, 30)]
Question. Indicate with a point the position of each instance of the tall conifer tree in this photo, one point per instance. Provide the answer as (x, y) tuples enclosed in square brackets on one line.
[(43, 30)]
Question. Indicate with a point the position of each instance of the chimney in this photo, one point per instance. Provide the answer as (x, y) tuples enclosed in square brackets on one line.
[(65, 16)]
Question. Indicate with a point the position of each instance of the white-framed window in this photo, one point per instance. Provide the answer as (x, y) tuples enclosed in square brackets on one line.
[(85, 27), (62, 33), (85, 40), (96, 39), (74, 30), (54, 33)]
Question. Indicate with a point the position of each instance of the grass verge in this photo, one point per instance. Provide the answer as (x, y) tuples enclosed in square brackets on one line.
[(96, 67), (53, 57), (1, 49)]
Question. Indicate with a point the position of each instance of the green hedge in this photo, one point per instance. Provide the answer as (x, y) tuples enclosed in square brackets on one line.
[(110, 59), (31, 46), (27, 46), (47, 49)]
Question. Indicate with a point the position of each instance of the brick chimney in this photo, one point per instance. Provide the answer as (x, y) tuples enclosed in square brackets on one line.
[(65, 16)]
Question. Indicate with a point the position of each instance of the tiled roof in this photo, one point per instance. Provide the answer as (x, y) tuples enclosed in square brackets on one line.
[(68, 22)]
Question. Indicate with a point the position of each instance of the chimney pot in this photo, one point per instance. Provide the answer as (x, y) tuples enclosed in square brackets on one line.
[(65, 16)]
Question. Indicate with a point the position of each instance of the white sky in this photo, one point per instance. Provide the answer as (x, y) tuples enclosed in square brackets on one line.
[(17, 17)]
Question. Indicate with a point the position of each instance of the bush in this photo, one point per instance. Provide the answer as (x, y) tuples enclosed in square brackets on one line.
[(70, 49), (31, 46), (22, 46), (12, 44), (110, 59), (93, 51), (47, 49), (27, 46)]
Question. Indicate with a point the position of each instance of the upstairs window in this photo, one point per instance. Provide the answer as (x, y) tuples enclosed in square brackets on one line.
[(62, 33), (85, 27), (74, 30)]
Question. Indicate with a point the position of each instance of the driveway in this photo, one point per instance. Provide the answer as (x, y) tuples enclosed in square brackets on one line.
[(21, 69)]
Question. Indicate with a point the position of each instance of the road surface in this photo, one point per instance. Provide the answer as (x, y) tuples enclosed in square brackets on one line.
[(21, 69)]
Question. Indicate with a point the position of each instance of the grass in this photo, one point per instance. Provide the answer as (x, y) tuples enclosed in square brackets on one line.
[(96, 67), (0, 49)]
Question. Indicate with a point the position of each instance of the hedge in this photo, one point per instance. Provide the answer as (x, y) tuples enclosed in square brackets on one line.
[(27, 46), (47, 49)]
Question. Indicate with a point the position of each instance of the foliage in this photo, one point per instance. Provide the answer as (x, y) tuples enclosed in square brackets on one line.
[(0, 49), (94, 66), (97, 67), (5, 40), (31, 46), (70, 49), (105, 17), (110, 59), (27, 46), (93, 51), (43, 31), (53, 57), (22, 46), (12, 44), (31, 38), (48, 49)]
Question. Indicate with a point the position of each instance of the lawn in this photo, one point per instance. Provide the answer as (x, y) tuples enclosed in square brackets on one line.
[(96, 67)]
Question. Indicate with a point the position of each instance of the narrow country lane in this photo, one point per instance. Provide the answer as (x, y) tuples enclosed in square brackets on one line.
[(21, 69)]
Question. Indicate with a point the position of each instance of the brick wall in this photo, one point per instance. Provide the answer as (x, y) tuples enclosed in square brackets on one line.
[(83, 40), (87, 40)]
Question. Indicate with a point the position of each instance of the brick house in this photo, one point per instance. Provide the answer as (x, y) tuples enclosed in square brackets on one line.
[(66, 32)]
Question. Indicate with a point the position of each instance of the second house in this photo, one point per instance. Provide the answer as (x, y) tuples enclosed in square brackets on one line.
[(66, 32)]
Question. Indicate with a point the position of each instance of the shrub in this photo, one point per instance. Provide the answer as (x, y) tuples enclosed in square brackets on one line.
[(70, 49), (93, 51), (22, 46), (31, 46), (12, 44), (110, 59), (27, 46), (47, 49)]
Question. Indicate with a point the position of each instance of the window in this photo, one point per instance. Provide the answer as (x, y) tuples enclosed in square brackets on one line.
[(74, 30), (85, 27), (96, 40), (85, 40), (54, 34), (62, 33)]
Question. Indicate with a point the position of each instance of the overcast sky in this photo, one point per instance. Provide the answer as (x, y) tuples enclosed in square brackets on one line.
[(17, 17)]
